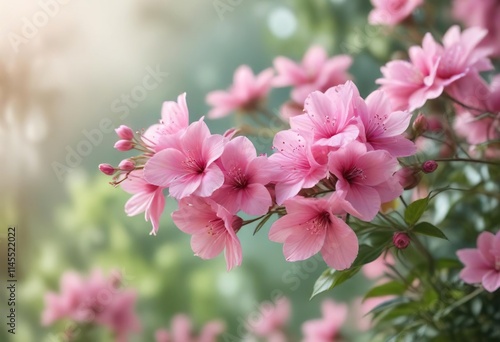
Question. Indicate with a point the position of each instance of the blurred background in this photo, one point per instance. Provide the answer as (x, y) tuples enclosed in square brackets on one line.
[(72, 70)]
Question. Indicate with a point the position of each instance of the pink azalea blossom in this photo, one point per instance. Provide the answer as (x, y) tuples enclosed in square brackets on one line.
[(364, 178), (311, 226), (147, 198), (315, 72), (271, 320), (181, 331), (327, 328), (188, 167), (382, 128), (96, 300), (174, 119), (391, 12), (482, 13), (212, 227), (246, 93), (433, 67), (482, 264), (245, 178), (297, 166), (330, 117)]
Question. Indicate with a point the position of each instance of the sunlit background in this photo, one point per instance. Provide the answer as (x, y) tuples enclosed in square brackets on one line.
[(69, 70)]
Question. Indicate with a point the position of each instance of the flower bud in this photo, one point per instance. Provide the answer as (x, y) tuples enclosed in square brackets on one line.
[(124, 145), (408, 177), (429, 166), (420, 125), (125, 132), (126, 165), (401, 240), (107, 169)]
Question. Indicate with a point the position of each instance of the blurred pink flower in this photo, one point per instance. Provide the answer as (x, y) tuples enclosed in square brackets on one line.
[(330, 117), (212, 227), (364, 178), (188, 168), (382, 128), (391, 12), (315, 72), (271, 320), (311, 226), (297, 167), (481, 13), (147, 198), (376, 269), (245, 178), (181, 331), (363, 308), (482, 264), (96, 300), (327, 328), (433, 67), (245, 94)]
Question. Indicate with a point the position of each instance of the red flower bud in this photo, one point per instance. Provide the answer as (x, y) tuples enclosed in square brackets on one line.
[(429, 166), (124, 145), (420, 125), (401, 240), (126, 165), (125, 132), (107, 169)]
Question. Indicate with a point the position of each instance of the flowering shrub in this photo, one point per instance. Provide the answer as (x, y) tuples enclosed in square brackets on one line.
[(353, 178)]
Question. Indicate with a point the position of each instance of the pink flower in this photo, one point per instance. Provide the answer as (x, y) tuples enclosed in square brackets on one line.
[(391, 12), (271, 320), (483, 13), (383, 127), (181, 331), (245, 178), (174, 119), (147, 198), (212, 227), (188, 167), (379, 267), (482, 264), (433, 67), (315, 72), (364, 178), (245, 94), (311, 226), (96, 300), (331, 117), (297, 166), (363, 308), (327, 328)]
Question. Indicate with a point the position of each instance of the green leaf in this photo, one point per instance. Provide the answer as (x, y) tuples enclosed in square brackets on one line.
[(332, 278), (426, 228), (367, 254), (415, 210), (386, 289), (262, 223)]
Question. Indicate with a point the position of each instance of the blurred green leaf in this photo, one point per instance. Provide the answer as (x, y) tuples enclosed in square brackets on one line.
[(367, 254), (332, 278), (391, 288), (429, 229), (415, 210)]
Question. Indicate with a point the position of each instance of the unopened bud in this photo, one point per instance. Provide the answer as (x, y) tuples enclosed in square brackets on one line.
[(125, 132), (124, 145), (126, 165), (408, 177), (429, 166), (420, 125), (401, 240), (107, 169)]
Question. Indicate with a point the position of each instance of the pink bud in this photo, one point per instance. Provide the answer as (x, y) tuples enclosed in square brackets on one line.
[(420, 125), (125, 132), (124, 145), (401, 240), (429, 166), (107, 169), (126, 165)]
